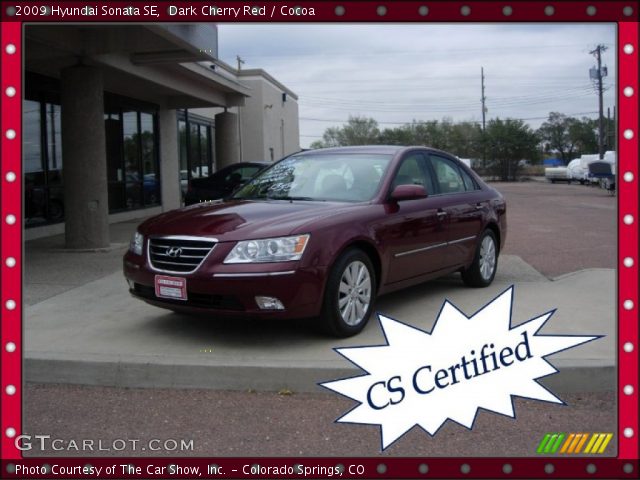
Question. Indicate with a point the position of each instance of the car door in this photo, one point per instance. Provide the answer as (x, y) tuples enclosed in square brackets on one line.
[(413, 231), (462, 201)]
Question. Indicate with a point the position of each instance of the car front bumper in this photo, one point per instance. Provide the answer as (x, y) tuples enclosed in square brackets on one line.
[(230, 290)]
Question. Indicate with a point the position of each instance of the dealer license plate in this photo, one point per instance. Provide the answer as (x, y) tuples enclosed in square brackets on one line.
[(174, 288)]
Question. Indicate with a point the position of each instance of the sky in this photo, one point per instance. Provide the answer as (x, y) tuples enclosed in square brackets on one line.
[(397, 73)]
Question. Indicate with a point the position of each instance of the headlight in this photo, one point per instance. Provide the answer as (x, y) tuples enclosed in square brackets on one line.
[(136, 243), (283, 249)]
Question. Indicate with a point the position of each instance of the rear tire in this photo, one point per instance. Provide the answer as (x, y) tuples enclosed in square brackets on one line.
[(349, 295), (485, 262)]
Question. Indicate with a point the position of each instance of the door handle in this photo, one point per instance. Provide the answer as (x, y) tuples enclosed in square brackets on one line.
[(479, 206), (441, 214)]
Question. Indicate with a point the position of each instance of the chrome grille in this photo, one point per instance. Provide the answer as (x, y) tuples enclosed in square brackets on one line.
[(178, 254)]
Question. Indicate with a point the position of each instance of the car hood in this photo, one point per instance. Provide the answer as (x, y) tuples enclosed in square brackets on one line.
[(241, 219)]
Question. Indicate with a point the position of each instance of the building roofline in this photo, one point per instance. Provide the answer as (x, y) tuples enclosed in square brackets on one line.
[(255, 72), (258, 72)]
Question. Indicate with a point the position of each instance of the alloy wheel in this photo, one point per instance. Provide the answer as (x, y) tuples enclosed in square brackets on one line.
[(354, 294)]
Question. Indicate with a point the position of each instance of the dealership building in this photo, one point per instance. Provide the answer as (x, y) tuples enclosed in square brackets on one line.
[(117, 119)]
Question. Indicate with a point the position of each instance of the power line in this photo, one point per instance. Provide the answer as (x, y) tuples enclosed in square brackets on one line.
[(425, 121)]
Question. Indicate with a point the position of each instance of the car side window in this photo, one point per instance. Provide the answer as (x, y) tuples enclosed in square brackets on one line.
[(248, 172), (447, 175), (469, 184), (412, 171)]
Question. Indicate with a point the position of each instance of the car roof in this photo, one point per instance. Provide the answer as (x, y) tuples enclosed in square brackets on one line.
[(379, 149), (382, 149)]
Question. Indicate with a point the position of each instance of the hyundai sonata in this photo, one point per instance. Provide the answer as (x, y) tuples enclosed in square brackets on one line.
[(320, 234)]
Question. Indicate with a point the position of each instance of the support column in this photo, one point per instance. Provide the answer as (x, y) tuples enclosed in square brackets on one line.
[(84, 169), (227, 139), (169, 160)]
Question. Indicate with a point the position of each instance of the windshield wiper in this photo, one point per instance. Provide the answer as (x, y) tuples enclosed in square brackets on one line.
[(287, 197)]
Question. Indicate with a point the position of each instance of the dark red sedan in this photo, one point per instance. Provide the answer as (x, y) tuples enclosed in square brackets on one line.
[(320, 234)]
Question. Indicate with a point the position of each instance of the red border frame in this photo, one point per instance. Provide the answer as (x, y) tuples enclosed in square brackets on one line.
[(354, 11)]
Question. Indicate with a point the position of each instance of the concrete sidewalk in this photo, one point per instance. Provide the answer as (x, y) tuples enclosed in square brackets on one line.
[(97, 334)]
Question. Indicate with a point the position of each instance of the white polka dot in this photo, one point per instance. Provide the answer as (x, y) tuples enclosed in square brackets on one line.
[(628, 304), (10, 432), (628, 262), (507, 11), (10, 91), (10, 347), (628, 49), (423, 10), (10, 134), (628, 432), (591, 10), (549, 10), (628, 134), (10, 390), (10, 177), (628, 347), (10, 262), (10, 304), (10, 49), (11, 219), (628, 219), (628, 389), (465, 10), (628, 91), (628, 176)]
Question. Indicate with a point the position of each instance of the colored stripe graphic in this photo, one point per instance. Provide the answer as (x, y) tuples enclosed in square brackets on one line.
[(573, 443), (543, 443)]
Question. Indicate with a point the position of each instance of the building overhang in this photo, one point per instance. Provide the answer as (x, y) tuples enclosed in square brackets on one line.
[(156, 63)]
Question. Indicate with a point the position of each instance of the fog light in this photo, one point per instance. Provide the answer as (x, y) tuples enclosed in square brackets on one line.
[(269, 303)]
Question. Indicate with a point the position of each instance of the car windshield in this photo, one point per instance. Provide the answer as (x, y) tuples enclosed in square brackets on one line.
[(352, 177)]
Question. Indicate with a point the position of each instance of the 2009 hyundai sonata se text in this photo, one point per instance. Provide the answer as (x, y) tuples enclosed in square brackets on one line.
[(320, 234)]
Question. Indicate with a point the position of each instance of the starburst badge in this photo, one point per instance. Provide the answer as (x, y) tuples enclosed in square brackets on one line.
[(463, 365)]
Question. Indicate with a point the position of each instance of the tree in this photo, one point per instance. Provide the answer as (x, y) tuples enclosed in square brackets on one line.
[(568, 136), (509, 141), (583, 134), (357, 131)]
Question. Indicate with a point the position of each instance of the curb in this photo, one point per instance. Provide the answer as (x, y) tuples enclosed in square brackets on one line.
[(591, 376)]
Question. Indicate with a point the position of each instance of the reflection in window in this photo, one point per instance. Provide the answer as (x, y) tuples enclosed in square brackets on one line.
[(195, 143), (31, 141), (42, 163)]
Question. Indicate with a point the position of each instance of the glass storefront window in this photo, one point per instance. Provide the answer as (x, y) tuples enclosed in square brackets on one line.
[(42, 161), (150, 180), (195, 144), (132, 159), (133, 173)]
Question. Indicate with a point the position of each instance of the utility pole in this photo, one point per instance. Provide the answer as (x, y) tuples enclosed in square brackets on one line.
[(482, 98), (484, 110), (598, 75), (240, 61)]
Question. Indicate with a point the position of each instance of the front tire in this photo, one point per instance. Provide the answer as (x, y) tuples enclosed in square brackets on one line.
[(349, 295), (485, 262)]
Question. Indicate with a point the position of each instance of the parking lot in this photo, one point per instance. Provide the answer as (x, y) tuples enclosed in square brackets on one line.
[(560, 228), (82, 328)]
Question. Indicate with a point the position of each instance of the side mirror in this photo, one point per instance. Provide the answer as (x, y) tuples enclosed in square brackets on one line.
[(408, 192)]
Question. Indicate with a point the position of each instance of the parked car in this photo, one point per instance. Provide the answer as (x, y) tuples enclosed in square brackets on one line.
[(222, 183), (320, 234)]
